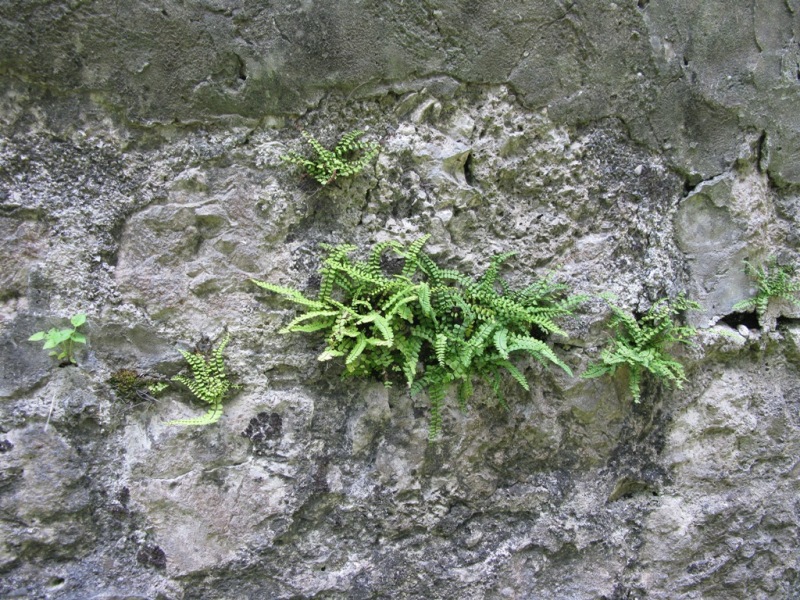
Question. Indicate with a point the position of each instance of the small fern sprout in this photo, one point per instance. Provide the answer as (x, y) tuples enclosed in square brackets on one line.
[(348, 158), (641, 345), (773, 282), (209, 382)]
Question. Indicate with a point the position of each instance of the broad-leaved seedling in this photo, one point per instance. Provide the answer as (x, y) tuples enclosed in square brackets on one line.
[(61, 342), (431, 326)]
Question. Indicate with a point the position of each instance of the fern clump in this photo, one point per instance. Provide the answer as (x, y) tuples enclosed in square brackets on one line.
[(773, 282), (641, 345), (209, 382), (348, 158), (429, 326)]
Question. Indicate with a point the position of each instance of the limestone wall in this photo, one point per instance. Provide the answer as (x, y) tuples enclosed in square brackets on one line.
[(638, 148)]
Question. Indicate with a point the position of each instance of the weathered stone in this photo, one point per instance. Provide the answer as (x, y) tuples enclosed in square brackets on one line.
[(638, 148), (43, 483)]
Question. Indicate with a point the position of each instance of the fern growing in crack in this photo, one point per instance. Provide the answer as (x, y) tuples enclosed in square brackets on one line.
[(209, 382), (429, 326), (773, 282), (348, 157), (641, 345)]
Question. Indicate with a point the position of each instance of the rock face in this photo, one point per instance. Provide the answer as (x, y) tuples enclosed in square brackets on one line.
[(638, 148)]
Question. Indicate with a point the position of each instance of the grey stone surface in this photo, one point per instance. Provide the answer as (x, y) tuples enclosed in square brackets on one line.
[(638, 148)]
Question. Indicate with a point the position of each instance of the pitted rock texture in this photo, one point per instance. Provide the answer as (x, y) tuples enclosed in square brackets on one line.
[(641, 149)]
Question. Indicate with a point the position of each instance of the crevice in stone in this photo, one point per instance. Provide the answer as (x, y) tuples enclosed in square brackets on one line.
[(21, 212), (783, 321), (241, 68), (285, 37), (628, 487), (6, 295), (55, 582), (748, 319), (689, 185), (760, 152), (691, 181), (469, 176)]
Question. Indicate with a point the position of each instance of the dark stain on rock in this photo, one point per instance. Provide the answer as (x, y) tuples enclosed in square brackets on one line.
[(320, 482), (152, 556), (264, 431)]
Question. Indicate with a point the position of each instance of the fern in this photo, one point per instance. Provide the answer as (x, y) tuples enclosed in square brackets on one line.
[(348, 158), (642, 345), (773, 282), (428, 326), (209, 382)]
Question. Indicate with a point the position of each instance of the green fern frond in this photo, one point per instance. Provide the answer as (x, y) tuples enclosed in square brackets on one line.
[(430, 269), (381, 324), (425, 332), (634, 383), (538, 349), (323, 315), (212, 416), (410, 350), (374, 263), (308, 327), (329, 353), (400, 298), (412, 257), (358, 348), (501, 342), (290, 294), (465, 392), (208, 383), (477, 342), (487, 281), (441, 348), (363, 275), (600, 369), (630, 326), (424, 297), (436, 395), (515, 373)]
